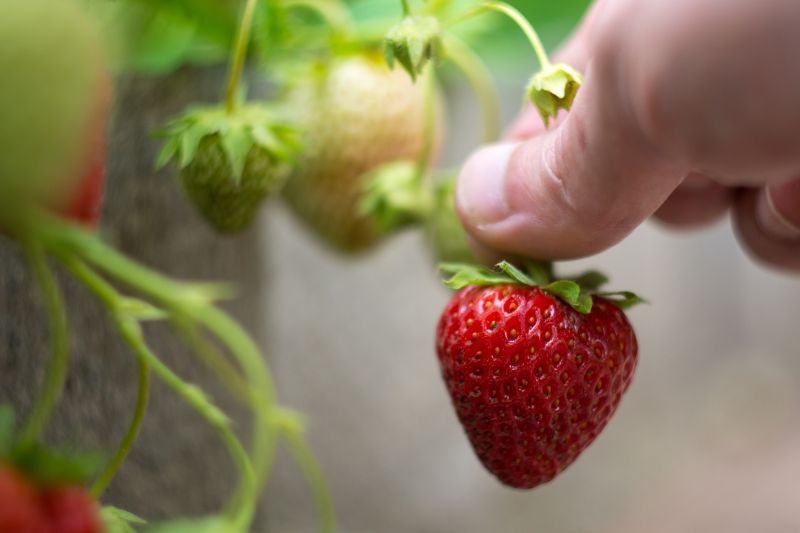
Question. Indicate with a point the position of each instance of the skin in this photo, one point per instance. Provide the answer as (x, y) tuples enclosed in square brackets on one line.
[(689, 109)]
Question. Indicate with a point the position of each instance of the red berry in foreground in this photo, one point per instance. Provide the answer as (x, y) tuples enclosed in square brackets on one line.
[(71, 510), (533, 381), (19, 505)]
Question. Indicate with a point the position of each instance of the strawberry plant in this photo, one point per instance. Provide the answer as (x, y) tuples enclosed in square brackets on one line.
[(349, 139)]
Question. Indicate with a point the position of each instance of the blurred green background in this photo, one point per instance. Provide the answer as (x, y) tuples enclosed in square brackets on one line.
[(158, 36)]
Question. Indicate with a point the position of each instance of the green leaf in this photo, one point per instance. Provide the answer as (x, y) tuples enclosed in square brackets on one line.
[(163, 42), (190, 142), (463, 275), (516, 274), (623, 299), (52, 466), (570, 292), (7, 423), (540, 271), (413, 42), (250, 125), (168, 152), (237, 142), (395, 197), (118, 521), (143, 311), (584, 303), (591, 280)]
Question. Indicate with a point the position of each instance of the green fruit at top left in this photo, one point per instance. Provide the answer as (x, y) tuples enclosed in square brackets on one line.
[(52, 77)]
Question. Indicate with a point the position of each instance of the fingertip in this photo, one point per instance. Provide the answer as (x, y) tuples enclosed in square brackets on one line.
[(697, 202), (758, 239), (480, 193), (777, 211)]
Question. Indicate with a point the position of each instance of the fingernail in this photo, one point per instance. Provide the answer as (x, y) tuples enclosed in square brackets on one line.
[(481, 190), (772, 221)]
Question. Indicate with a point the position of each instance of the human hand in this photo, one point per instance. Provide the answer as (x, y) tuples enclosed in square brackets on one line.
[(689, 107)]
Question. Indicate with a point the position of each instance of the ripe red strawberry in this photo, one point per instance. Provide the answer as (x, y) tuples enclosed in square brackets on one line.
[(533, 380), (19, 504), (71, 510)]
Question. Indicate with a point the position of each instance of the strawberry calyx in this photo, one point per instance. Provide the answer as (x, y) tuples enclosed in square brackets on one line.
[(413, 42), (395, 197), (239, 131), (553, 88), (577, 292), (44, 466)]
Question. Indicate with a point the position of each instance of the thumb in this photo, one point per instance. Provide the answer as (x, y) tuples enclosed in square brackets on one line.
[(572, 191)]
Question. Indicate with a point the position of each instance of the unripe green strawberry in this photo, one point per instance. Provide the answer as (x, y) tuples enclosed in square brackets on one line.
[(227, 205), (230, 161), (356, 115), (53, 80)]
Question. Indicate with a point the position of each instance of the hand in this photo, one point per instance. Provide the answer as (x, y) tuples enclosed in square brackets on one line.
[(688, 107)]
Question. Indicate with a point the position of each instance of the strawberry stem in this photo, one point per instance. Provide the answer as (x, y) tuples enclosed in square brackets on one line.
[(142, 400), (263, 398), (240, 55), (305, 460), (480, 79), (190, 307), (514, 14), (241, 509), (429, 126), (57, 367)]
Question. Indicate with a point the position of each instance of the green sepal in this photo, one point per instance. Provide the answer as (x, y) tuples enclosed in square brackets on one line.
[(413, 42), (47, 467), (249, 126), (464, 275), (577, 292), (395, 197), (142, 311), (591, 280), (554, 88), (623, 299), (116, 520), (571, 293)]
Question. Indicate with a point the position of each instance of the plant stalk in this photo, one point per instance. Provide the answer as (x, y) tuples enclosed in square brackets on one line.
[(514, 14), (56, 371), (240, 55), (480, 79)]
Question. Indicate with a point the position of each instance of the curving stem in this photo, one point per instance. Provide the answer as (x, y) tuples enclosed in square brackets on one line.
[(56, 372), (242, 506), (142, 400), (480, 79), (514, 14), (240, 55), (429, 125)]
